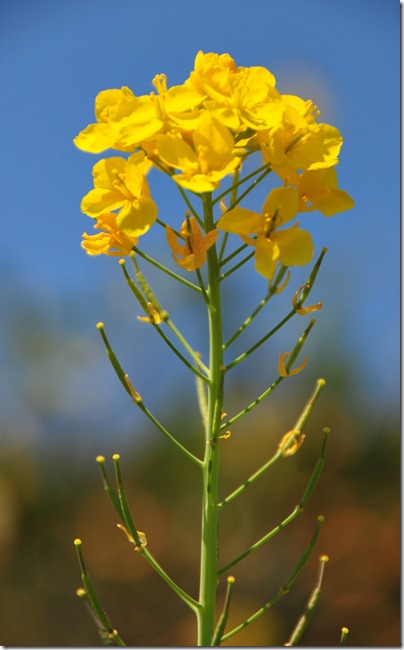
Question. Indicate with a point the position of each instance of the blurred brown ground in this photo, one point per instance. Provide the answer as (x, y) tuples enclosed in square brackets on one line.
[(46, 503)]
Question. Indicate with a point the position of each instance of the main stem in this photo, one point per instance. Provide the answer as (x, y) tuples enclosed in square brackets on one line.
[(210, 500)]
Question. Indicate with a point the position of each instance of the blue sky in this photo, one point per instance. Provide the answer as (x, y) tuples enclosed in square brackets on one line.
[(57, 55)]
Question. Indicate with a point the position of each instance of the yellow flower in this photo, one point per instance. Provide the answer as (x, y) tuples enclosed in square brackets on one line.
[(211, 73), (318, 190), (112, 241), (172, 108), (121, 184), (238, 97), (191, 254), (125, 121), (203, 165), (290, 246), (111, 106), (298, 141)]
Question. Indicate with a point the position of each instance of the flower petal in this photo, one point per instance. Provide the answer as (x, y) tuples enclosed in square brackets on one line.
[(330, 202), (282, 202), (241, 221), (136, 217), (96, 138), (98, 201), (266, 257), (295, 245)]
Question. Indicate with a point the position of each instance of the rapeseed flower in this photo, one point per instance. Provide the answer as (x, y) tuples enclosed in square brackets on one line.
[(191, 254), (205, 161), (237, 97), (111, 241), (121, 184), (298, 141), (290, 246), (318, 190), (111, 106)]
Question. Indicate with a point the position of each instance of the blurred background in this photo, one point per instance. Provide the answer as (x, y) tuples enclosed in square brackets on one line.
[(61, 404)]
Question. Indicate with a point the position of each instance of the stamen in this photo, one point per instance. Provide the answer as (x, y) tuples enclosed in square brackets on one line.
[(291, 442), (142, 537), (302, 311), (283, 371)]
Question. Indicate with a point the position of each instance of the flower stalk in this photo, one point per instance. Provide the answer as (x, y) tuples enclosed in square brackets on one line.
[(199, 134)]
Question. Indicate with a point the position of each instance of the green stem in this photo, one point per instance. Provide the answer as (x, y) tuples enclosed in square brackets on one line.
[(139, 545), (295, 512), (234, 253), (136, 398), (266, 171), (233, 197), (100, 615), (271, 291), (285, 588), (166, 270), (237, 266), (139, 296), (263, 168), (306, 617), (210, 508), (225, 613), (260, 398), (251, 479)]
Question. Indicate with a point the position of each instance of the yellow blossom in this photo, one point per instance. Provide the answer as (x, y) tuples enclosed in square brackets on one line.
[(238, 97), (170, 109), (121, 184), (111, 241), (111, 106), (211, 75), (318, 190), (125, 121), (298, 141), (290, 246), (191, 254), (206, 162)]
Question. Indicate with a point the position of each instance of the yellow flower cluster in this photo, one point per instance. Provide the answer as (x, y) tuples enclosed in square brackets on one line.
[(198, 133)]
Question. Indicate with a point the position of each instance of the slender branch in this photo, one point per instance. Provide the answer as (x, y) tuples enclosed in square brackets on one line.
[(140, 545), (111, 494), (240, 182), (265, 338), (237, 266), (123, 378), (271, 291), (296, 308), (189, 204), (251, 479), (276, 383), (285, 588), (166, 270), (139, 296), (266, 171), (233, 197), (225, 613), (234, 253), (195, 355), (295, 512), (168, 435), (202, 285), (100, 615), (165, 317), (306, 617)]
